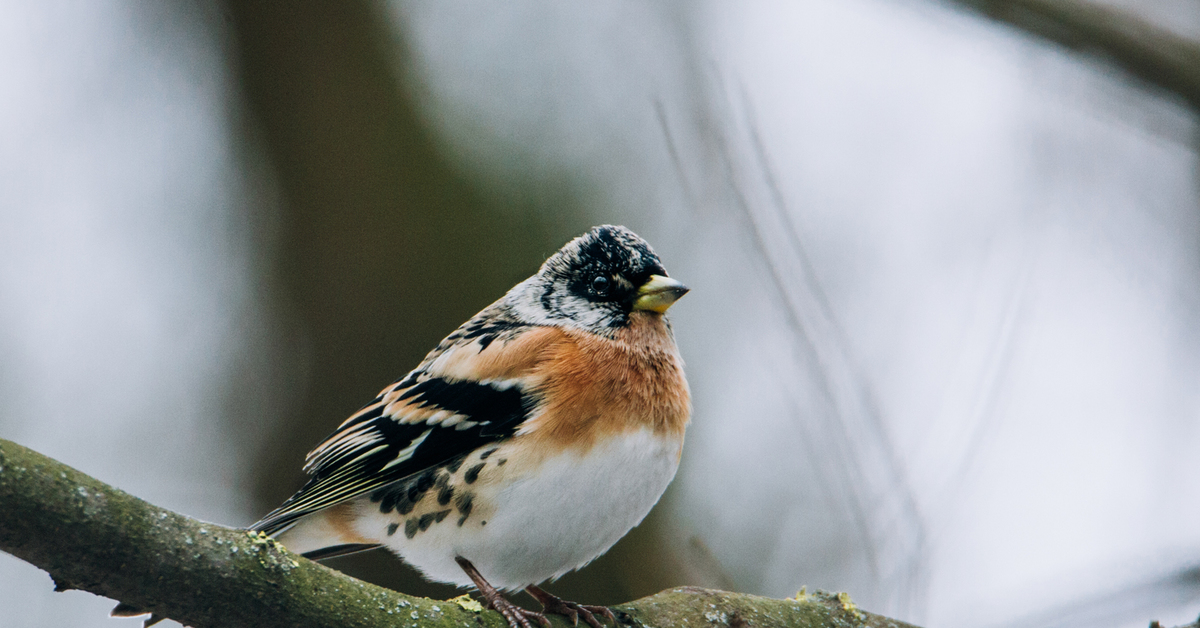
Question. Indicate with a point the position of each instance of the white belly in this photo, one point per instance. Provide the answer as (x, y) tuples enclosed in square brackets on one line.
[(547, 522)]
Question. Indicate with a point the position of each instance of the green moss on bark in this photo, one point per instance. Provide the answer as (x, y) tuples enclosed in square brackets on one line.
[(694, 607), (94, 537)]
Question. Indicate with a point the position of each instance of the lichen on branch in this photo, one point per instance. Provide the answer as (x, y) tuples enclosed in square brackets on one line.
[(94, 537)]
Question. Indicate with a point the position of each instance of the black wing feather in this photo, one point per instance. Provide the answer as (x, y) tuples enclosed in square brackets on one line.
[(368, 463)]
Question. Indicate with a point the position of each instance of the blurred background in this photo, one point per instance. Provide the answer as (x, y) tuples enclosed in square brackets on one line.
[(944, 333)]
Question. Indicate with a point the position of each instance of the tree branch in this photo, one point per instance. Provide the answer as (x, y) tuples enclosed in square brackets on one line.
[(1150, 53), (1195, 624), (93, 537)]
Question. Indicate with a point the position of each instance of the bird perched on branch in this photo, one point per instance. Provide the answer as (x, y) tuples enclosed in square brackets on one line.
[(523, 446)]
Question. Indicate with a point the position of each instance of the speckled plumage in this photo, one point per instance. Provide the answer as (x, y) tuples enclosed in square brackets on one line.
[(527, 442)]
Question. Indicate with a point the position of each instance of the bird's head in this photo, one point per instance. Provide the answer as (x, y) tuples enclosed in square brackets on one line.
[(597, 282)]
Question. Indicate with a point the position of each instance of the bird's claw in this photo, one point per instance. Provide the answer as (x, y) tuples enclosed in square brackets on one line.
[(554, 604), (516, 616), (574, 611)]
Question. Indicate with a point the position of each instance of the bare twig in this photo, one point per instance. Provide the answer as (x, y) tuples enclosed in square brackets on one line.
[(1146, 51)]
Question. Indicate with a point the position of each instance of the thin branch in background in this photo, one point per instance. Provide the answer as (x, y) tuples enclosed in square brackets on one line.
[(820, 444), (805, 351), (689, 193), (868, 479), (1124, 605), (835, 485), (1152, 54), (900, 537), (986, 409), (851, 480)]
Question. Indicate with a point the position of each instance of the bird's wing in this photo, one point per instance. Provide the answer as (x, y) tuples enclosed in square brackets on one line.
[(469, 392)]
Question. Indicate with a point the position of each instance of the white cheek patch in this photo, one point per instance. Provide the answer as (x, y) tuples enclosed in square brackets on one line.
[(529, 302), (585, 314), (525, 302)]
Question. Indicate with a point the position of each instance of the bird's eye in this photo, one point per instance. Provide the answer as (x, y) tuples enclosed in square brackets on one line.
[(600, 285)]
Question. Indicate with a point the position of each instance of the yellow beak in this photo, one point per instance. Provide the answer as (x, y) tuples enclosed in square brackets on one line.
[(658, 294)]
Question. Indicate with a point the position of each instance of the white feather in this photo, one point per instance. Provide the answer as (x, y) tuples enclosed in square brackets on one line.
[(554, 520), (407, 452)]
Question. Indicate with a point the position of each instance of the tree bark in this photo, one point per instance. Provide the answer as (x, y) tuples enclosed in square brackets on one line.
[(93, 537)]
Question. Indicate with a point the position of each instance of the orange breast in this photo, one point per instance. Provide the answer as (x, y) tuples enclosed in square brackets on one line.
[(594, 387)]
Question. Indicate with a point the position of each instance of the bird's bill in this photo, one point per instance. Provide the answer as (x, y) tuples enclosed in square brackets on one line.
[(658, 294)]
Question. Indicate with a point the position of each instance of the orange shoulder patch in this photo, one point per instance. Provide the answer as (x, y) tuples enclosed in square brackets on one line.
[(511, 358)]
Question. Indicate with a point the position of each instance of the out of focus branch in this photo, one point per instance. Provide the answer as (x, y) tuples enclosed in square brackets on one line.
[(1195, 624), (93, 537), (1152, 54)]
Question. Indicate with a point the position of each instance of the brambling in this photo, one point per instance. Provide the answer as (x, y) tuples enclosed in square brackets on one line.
[(523, 446)]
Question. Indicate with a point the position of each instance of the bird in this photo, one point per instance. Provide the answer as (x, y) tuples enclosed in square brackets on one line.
[(524, 445)]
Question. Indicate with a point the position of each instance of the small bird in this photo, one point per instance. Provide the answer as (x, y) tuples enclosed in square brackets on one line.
[(524, 445)]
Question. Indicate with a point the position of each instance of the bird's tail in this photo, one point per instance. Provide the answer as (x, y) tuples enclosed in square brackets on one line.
[(325, 534), (128, 610)]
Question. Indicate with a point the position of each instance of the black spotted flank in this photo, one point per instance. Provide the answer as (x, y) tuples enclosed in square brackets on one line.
[(445, 494), (453, 465), (463, 503), (416, 525), (370, 466), (403, 496), (472, 474)]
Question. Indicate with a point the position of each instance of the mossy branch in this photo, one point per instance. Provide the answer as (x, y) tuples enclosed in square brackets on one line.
[(1146, 51), (93, 537)]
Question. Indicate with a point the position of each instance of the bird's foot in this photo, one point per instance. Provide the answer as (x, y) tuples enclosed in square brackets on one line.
[(554, 604), (516, 616)]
